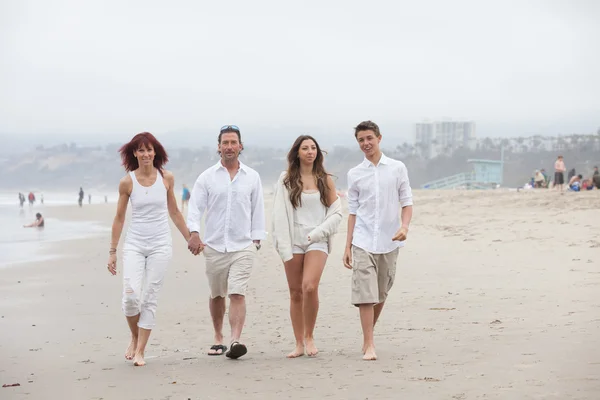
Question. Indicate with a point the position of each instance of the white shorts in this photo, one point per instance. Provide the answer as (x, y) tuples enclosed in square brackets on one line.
[(320, 246), (229, 273)]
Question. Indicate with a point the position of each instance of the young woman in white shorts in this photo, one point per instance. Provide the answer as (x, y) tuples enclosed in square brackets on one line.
[(306, 213)]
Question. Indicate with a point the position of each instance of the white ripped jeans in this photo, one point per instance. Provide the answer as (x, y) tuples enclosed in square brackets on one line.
[(144, 268)]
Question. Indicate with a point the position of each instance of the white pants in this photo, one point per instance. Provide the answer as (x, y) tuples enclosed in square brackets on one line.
[(140, 296)]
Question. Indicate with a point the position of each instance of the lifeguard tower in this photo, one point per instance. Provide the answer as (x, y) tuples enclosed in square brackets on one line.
[(484, 174)]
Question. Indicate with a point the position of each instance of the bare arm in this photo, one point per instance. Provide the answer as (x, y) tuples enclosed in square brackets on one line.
[(349, 234), (332, 192), (174, 213), (348, 251), (406, 216), (406, 202), (125, 187)]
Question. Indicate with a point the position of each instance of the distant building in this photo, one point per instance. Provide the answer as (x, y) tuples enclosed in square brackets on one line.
[(443, 137)]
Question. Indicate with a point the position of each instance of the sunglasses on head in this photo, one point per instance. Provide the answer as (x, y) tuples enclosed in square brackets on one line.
[(230, 128)]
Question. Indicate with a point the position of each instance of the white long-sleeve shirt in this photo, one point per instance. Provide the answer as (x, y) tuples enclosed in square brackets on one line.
[(374, 194), (235, 214)]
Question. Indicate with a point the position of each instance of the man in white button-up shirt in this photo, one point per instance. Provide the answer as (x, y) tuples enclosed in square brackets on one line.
[(377, 187), (232, 196)]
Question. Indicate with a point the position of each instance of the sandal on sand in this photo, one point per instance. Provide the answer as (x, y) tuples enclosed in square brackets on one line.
[(237, 350), (218, 347)]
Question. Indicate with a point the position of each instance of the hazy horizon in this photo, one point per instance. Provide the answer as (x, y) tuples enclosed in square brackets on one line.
[(109, 70)]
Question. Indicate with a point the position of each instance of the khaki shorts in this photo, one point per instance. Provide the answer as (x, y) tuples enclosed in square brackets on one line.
[(229, 273), (372, 275)]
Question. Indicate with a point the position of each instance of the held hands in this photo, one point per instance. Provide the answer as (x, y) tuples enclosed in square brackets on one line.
[(401, 234), (195, 244)]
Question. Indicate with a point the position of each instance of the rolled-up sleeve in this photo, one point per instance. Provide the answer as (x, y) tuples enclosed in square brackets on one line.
[(352, 195), (258, 212), (404, 190), (197, 204)]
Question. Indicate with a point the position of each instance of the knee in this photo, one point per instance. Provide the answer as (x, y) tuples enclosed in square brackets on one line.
[(236, 298), (131, 300), (296, 295), (309, 288)]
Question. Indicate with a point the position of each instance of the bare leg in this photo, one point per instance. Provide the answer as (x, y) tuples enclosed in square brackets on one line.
[(237, 315), (132, 322), (314, 263), (143, 336), (293, 272), (378, 308), (217, 312), (367, 317)]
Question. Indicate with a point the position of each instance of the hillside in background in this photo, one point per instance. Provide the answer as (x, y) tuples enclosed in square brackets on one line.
[(67, 167)]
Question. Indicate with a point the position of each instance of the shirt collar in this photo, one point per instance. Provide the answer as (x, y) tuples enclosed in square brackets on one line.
[(243, 166), (382, 160)]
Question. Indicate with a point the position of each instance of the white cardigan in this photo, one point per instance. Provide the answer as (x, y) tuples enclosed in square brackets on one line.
[(283, 222)]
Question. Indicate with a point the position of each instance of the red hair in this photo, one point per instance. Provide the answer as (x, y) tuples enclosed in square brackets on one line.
[(143, 139)]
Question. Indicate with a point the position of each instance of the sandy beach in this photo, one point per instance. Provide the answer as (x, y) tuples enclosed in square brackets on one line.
[(497, 296)]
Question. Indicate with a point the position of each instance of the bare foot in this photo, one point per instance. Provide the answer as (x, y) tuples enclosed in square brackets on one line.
[(311, 349), (370, 353), (130, 352), (298, 351), (138, 360)]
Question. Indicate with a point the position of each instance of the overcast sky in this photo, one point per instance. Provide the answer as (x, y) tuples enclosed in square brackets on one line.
[(120, 67)]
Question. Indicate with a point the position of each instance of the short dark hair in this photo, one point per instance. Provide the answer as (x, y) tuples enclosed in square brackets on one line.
[(230, 130), (580, 176), (367, 126)]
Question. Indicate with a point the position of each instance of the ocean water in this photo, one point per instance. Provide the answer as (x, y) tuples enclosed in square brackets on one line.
[(19, 245)]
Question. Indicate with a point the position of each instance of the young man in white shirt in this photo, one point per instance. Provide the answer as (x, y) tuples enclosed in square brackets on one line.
[(377, 187), (232, 195)]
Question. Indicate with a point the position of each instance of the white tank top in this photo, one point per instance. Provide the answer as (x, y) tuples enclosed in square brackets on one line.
[(308, 216), (149, 212)]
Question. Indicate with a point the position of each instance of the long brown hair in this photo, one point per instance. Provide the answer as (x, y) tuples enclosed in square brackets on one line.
[(293, 179)]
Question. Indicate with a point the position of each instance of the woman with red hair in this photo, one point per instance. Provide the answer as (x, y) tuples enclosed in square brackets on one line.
[(147, 249)]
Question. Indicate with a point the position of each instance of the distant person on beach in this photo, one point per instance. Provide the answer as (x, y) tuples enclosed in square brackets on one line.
[(377, 188), (231, 194), (81, 194), (306, 213), (185, 197), (31, 198), (539, 179), (89, 199), (596, 178), (38, 223), (21, 199), (575, 183), (147, 249), (559, 173)]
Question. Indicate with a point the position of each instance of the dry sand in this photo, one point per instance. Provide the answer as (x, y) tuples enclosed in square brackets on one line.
[(497, 297)]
